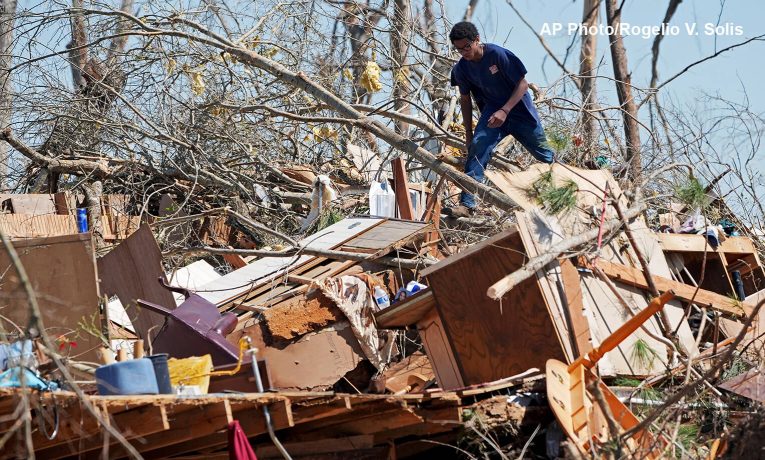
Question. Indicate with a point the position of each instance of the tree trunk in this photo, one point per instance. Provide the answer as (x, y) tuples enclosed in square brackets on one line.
[(587, 72), (624, 90), (7, 13), (399, 43), (93, 194)]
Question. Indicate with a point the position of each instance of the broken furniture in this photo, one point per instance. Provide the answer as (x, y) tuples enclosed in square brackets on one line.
[(130, 272), (194, 328), (578, 410), (470, 338)]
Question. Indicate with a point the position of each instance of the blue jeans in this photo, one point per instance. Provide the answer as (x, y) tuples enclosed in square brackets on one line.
[(485, 139)]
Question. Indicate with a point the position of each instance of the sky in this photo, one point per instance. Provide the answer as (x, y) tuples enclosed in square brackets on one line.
[(736, 75)]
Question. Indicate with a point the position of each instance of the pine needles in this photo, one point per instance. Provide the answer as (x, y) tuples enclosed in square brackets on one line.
[(643, 355), (692, 193), (554, 199)]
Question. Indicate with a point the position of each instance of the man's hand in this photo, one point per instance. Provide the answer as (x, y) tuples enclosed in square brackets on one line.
[(497, 119), (468, 141)]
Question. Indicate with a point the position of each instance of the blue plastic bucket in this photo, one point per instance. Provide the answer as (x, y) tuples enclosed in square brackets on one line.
[(133, 377)]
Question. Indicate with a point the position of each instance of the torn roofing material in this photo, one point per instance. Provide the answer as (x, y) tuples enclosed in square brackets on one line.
[(240, 281)]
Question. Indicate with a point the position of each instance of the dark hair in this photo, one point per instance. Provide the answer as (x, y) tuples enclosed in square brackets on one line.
[(462, 30)]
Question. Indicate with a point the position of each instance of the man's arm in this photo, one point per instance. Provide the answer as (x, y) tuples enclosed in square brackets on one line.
[(466, 104), (498, 118)]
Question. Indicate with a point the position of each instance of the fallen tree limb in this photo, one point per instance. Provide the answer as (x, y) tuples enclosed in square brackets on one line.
[(301, 81), (501, 287)]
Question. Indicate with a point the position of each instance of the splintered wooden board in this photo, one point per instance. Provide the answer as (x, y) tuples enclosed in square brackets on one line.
[(131, 271), (601, 307), (580, 415), (62, 271), (27, 226), (492, 339)]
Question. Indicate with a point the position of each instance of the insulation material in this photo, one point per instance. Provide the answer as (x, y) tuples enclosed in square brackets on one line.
[(191, 371), (354, 298)]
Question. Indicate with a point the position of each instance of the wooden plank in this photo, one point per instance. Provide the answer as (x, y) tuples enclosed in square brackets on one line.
[(439, 350), (492, 339), (310, 411), (264, 271), (575, 303), (634, 277), (682, 242), (25, 226), (407, 312), (130, 271), (195, 433), (401, 187), (320, 446), (34, 204), (135, 423), (62, 272)]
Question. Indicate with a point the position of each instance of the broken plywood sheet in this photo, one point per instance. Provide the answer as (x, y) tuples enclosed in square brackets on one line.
[(131, 272), (316, 361), (62, 271), (591, 185), (33, 204), (242, 280), (27, 226), (600, 304)]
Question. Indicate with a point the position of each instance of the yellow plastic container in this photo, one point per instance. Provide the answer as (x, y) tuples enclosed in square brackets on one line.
[(191, 371)]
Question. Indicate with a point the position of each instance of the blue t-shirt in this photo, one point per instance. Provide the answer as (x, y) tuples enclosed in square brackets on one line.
[(492, 81)]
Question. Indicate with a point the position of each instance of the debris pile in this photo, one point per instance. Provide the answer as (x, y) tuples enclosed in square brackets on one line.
[(372, 337)]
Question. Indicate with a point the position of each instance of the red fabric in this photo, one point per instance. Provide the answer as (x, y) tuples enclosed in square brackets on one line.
[(239, 447)]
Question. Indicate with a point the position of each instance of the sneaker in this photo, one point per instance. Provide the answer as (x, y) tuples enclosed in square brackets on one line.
[(459, 211)]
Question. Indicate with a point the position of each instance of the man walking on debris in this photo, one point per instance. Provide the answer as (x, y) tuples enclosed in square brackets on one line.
[(495, 77)]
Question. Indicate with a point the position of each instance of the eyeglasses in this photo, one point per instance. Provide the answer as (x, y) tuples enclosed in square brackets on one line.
[(464, 48)]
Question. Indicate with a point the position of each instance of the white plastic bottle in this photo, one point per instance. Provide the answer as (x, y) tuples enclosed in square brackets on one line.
[(381, 298)]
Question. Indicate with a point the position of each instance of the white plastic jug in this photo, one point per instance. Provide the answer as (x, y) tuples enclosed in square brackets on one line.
[(382, 200)]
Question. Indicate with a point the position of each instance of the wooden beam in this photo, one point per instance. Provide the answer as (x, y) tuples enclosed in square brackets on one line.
[(401, 187), (682, 242), (320, 446), (250, 419), (407, 312), (134, 423), (578, 325), (634, 277)]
